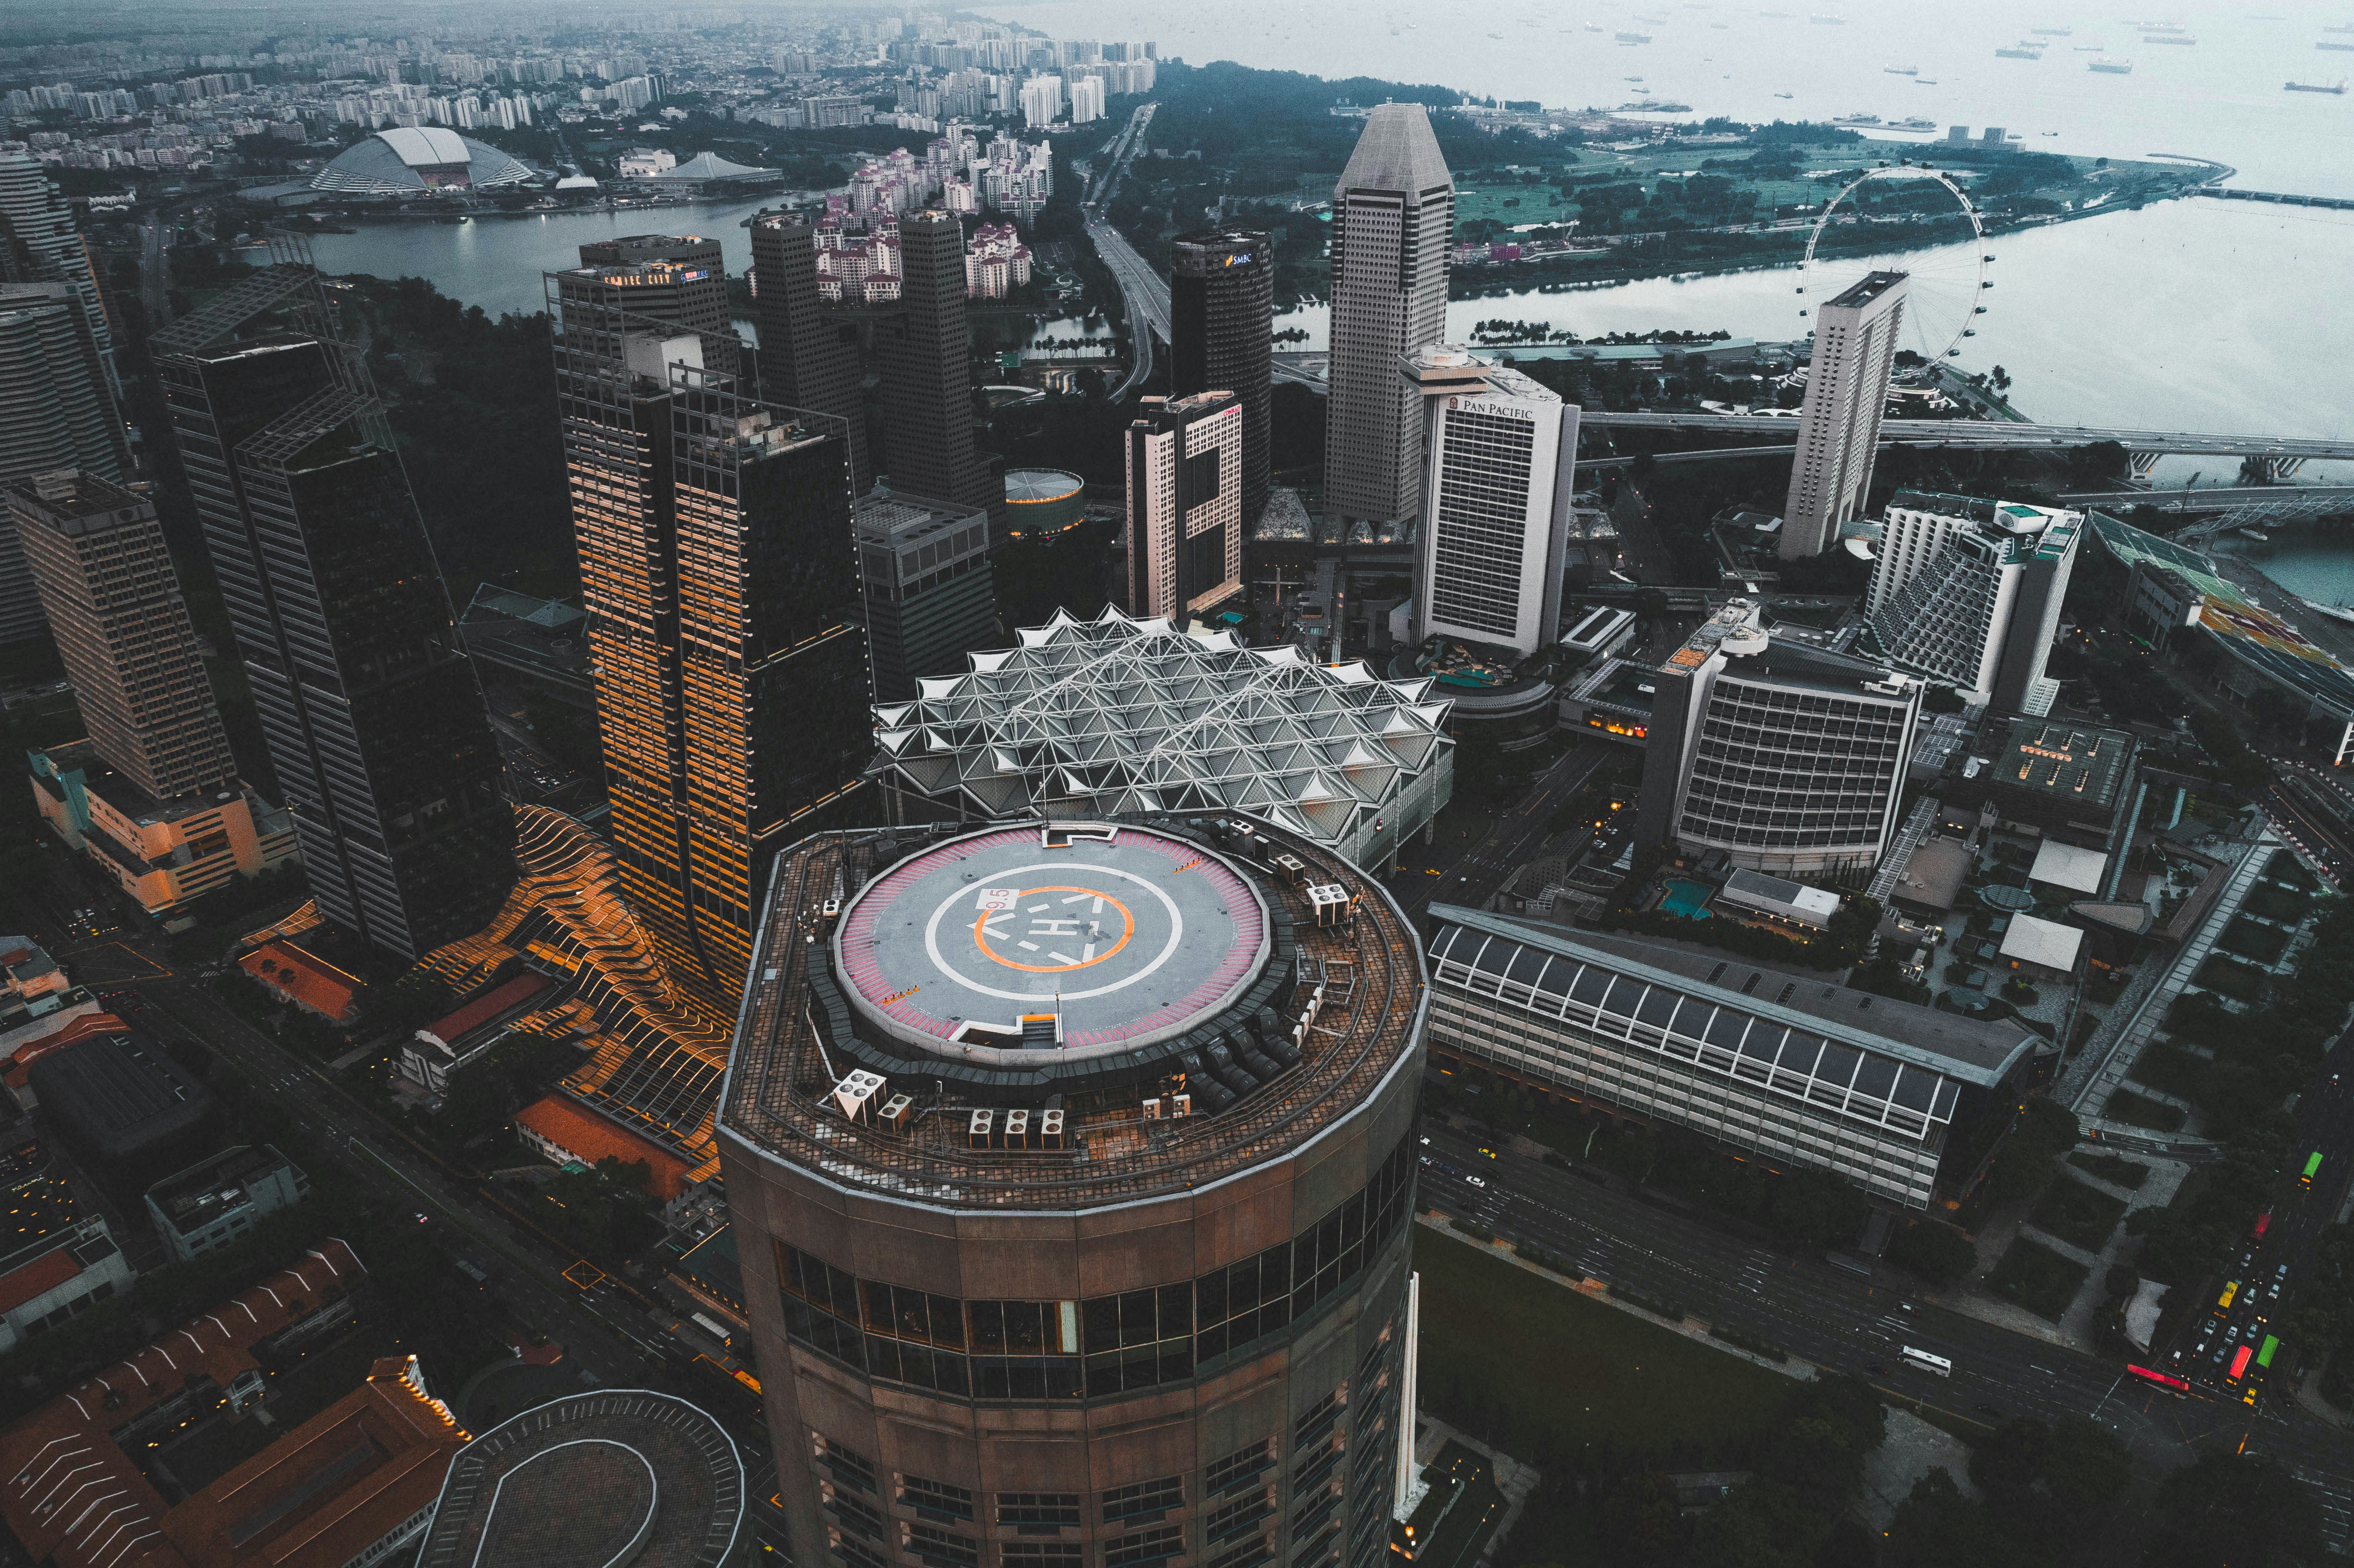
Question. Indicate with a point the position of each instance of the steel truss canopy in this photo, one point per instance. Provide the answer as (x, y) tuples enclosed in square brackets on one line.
[(1120, 716)]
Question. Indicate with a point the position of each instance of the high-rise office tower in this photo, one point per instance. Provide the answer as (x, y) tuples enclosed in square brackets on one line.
[(151, 795), (55, 412), (1787, 758), (1393, 220), (809, 354), (113, 604), (1134, 1284), (37, 224), (925, 582), (922, 350), (1222, 326), (1968, 593), (721, 586), (373, 719), (1502, 464), (1184, 505), (680, 277), (1838, 426)]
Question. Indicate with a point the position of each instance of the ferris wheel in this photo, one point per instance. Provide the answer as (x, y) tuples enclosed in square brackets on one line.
[(1945, 297)]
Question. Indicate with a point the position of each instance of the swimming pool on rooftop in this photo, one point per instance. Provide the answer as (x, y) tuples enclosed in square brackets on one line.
[(1689, 899)]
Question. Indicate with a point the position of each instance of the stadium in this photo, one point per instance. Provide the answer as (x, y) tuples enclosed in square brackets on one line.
[(412, 160)]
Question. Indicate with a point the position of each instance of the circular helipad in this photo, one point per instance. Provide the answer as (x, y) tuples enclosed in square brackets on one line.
[(1019, 941)]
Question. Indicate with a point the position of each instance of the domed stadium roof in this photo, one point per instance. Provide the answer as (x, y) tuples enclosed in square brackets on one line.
[(407, 159)]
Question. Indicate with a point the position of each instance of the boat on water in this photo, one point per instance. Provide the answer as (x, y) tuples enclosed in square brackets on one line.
[(2337, 88), (2053, 32), (2326, 44), (2019, 52), (1857, 120), (1901, 70), (2113, 68), (1925, 81), (1792, 95), (1829, 21), (2339, 611), (2258, 534), (1632, 37), (2185, 39), (1631, 78), (1916, 123)]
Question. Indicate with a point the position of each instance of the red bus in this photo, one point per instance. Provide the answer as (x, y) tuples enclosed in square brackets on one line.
[(2264, 1223), (2240, 1363), (2173, 1384)]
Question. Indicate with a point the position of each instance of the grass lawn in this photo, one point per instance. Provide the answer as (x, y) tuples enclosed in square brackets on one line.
[(2109, 1168), (2285, 867), (2077, 1214), (2139, 1110), (2173, 1070), (2037, 1279), (2274, 902), (2230, 977), (1549, 1360), (2252, 939)]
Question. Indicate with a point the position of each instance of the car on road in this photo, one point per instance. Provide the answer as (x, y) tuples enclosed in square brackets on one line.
[(1875, 1369), (1476, 1181)]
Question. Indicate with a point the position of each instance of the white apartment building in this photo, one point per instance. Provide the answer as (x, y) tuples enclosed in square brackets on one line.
[(1838, 426), (1967, 592), (1184, 505), (1087, 99), (1501, 461), (1042, 102)]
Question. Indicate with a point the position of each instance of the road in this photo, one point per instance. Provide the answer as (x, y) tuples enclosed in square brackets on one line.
[(2313, 819), (1470, 870), (1609, 1231), (1991, 434), (1143, 291), (1146, 294)]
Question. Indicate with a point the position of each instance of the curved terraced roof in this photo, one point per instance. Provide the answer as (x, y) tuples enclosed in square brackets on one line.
[(406, 160)]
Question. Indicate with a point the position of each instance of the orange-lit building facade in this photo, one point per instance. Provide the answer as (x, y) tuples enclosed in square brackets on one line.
[(715, 556)]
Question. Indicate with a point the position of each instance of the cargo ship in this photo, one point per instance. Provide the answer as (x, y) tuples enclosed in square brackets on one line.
[(1901, 70), (2019, 52), (2185, 39), (2053, 32), (2314, 87), (1632, 37), (2326, 44), (2112, 67)]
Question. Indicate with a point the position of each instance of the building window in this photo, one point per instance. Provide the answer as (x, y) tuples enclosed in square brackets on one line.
[(936, 1500), (1050, 1510), (941, 1548), (1242, 1466), (1134, 1551), (1144, 1499)]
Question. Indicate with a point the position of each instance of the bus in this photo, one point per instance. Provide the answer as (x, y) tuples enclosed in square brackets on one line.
[(2223, 1302), (2239, 1361), (1922, 1361), (2312, 1164), (2174, 1385), (2265, 1356)]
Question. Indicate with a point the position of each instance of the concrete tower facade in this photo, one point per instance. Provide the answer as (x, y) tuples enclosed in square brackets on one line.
[(809, 356), (1838, 428), (925, 358), (1393, 220), (1184, 504), (1075, 1310), (1503, 466), (56, 412)]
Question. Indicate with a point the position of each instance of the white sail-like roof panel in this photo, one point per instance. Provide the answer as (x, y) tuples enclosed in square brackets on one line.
[(1135, 712)]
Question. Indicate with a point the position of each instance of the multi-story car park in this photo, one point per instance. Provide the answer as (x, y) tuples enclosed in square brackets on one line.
[(1071, 1165), (1904, 1101)]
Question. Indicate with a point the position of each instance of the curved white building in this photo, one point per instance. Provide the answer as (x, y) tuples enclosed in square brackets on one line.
[(409, 160)]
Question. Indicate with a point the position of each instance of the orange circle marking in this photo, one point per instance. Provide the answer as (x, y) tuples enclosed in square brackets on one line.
[(981, 933)]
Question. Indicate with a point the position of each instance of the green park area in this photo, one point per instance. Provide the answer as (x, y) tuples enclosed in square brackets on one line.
[(1552, 1369)]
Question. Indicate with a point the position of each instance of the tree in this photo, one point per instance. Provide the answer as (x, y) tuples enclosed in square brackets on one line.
[(2012, 1458), (2238, 1509), (2086, 1467), (1937, 1252), (2021, 1171), (1936, 1527)]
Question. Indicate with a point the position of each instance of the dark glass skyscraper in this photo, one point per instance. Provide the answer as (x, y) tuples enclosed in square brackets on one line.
[(925, 358), (809, 351), (1221, 322), (374, 720), (732, 687)]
